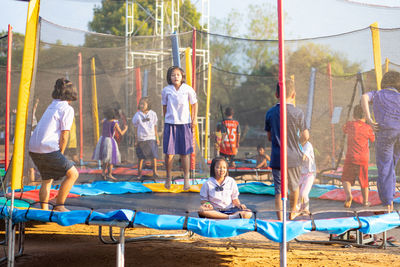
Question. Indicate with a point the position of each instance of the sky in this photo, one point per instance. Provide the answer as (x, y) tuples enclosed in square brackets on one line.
[(304, 18)]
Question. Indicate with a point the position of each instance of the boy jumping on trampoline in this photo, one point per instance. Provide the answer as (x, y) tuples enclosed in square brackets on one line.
[(229, 131), (48, 142), (295, 124), (219, 195), (146, 135), (357, 155)]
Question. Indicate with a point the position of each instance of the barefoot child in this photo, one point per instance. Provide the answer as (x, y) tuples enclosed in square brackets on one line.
[(357, 155), (179, 122), (146, 135), (48, 142), (295, 124), (261, 159), (220, 195), (107, 148), (307, 177)]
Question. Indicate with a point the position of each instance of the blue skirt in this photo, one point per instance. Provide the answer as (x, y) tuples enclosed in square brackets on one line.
[(147, 149), (177, 139)]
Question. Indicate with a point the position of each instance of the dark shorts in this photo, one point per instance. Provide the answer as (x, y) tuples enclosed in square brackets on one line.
[(177, 139), (229, 158), (52, 165), (293, 175), (225, 211), (147, 149)]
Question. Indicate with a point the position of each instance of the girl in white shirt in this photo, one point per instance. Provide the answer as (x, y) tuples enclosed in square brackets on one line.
[(146, 135), (219, 195), (48, 142), (178, 122), (308, 172)]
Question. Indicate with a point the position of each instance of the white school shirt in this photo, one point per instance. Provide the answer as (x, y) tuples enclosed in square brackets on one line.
[(308, 165), (58, 117), (220, 199), (145, 125), (177, 102)]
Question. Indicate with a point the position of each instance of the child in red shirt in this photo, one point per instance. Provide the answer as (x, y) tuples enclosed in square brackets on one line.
[(357, 155)]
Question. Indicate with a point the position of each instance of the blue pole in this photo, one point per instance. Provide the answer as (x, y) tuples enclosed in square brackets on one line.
[(310, 103), (175, 49)]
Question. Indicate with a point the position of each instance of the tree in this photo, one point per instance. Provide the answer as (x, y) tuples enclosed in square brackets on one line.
[(110, 17)]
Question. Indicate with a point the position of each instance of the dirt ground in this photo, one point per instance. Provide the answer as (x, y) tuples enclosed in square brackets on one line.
[(49, 244)]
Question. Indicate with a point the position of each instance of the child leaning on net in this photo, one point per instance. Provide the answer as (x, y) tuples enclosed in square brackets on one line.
[(219, 195)]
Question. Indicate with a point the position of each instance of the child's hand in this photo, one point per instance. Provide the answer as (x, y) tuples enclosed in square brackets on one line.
[(135, 143), (242, 207), (375, 126), (126, 127), (158, 142), (208, 206)]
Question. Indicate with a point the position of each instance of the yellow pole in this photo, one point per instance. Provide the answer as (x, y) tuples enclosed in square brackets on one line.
[(95, 112), (386, 65), (376, 45), (188, 67), (206, 141), (28, 63)]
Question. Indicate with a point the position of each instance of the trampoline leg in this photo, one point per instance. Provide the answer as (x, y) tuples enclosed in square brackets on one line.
[(121, 248)]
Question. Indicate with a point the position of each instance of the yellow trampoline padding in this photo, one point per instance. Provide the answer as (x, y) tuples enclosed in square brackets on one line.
[(175, 188), (27, 69)]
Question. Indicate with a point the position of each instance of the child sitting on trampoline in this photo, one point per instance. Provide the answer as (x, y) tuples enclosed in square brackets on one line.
[(357, 155), (262, 159), (219, 195), (107, 148), (48, 142), (146, 135)]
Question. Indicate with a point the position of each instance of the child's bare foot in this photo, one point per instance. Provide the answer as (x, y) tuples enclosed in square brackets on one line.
[(167, 184), (111, 177), (61, 208), (347, 203), (293, 215), (366, 204), (186, 186)]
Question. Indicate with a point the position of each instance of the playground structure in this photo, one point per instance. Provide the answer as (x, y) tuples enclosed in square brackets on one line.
[(104, 68)]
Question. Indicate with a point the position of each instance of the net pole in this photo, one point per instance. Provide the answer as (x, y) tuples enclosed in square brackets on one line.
[(8, 94), (194, 60), (175, 50), (95, 111), (376, 46), (138, 86), (188, 64), (387, 61), (310, 101), (330, 115), (207, 113), (283, 151), (80, 108)]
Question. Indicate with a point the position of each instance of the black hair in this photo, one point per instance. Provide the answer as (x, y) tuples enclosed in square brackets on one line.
[(169, 73), (260, 146), (110, 113), (214, 162), (289, 88), (358, 112), (147, 100), (391, 79), (228, 111), (64, 90)]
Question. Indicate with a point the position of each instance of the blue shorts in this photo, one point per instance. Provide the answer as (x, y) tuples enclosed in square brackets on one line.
[(147, 149), (293, 178), (230, 210), (177, 139), (52, 165)]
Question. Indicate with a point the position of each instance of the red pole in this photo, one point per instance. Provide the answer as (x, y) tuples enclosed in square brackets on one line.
[(331, 112), (193, 155), (283, 129), (138, 86), (282, 93), (80, 108), (8, 93)]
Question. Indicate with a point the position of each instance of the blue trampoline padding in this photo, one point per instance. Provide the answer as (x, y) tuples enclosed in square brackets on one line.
[(256, 188), (17, 202), (209, 228), (220, 228), (110, 188)]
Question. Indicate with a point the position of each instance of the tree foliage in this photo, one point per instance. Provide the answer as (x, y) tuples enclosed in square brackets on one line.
[(110, 17)]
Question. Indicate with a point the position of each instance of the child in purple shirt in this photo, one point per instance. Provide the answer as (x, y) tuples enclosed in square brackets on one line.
[(386, 106)]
